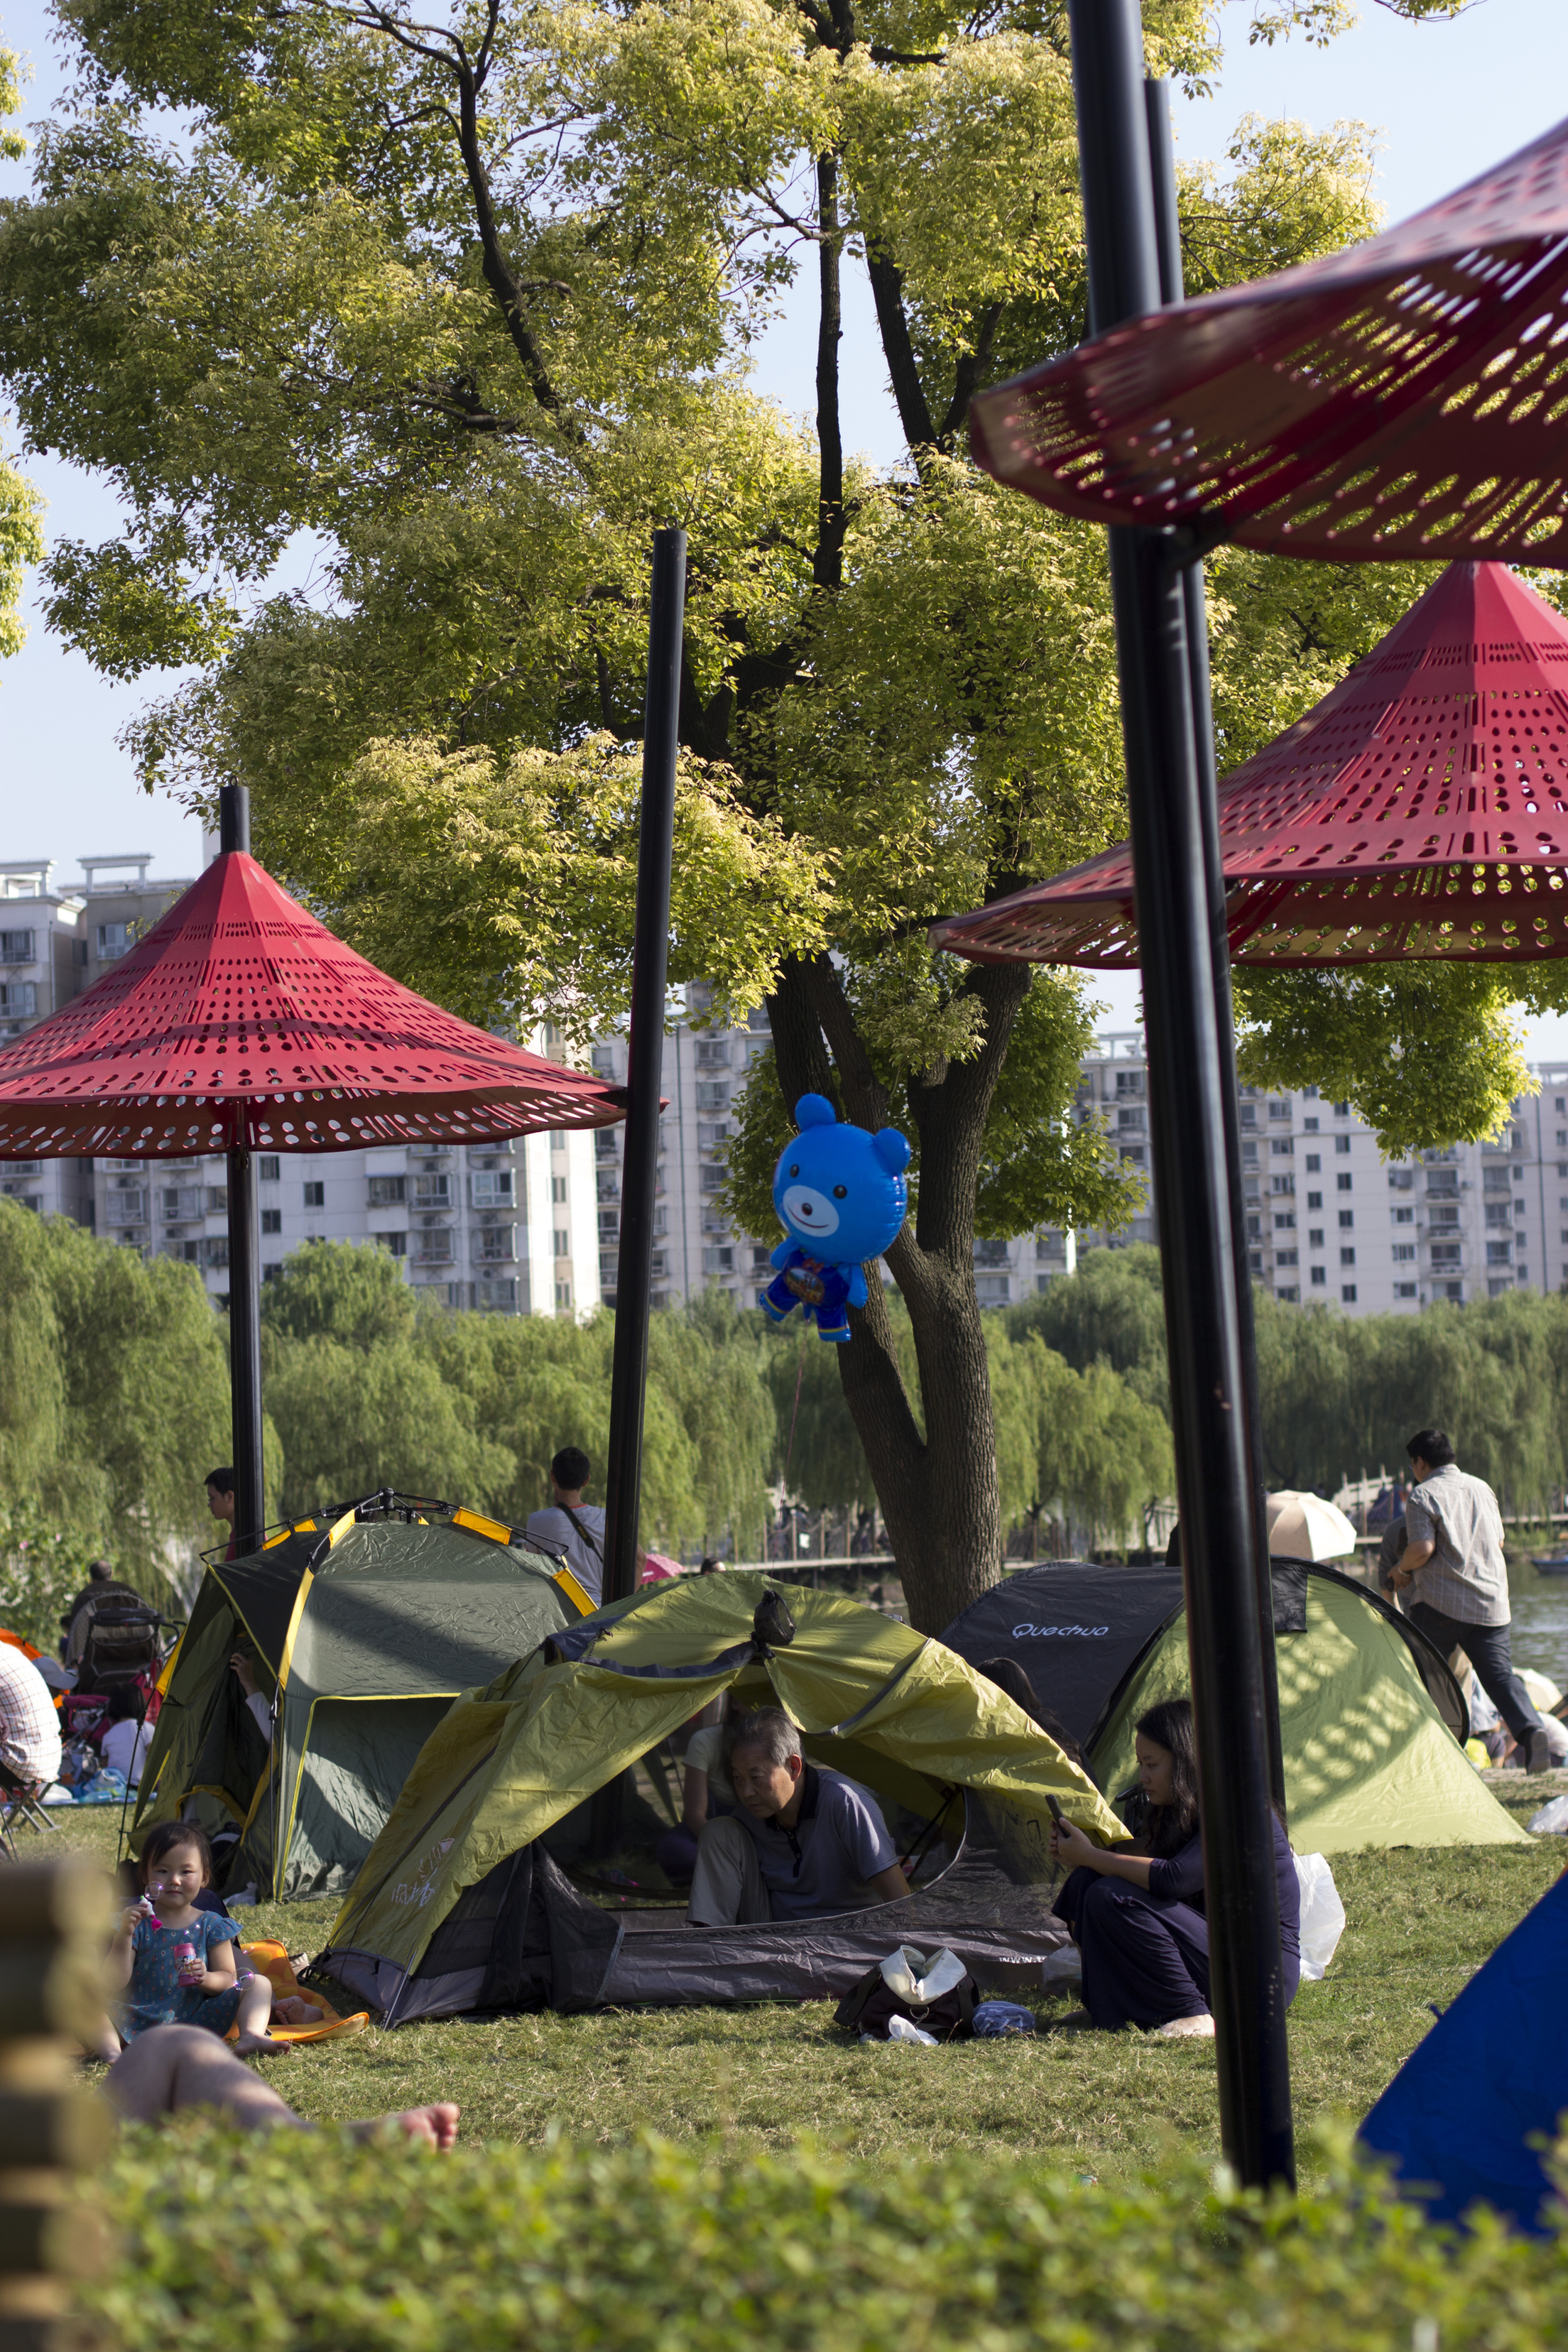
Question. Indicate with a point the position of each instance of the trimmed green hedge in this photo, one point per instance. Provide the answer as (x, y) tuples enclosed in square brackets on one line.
[(329, 2245)]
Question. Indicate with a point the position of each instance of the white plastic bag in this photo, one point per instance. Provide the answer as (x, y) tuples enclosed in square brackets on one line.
[(1552, 1817), (903, 2029), (1062, 1970), (1322, 1915)]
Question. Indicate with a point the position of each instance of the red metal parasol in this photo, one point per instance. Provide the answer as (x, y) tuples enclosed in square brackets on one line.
[(241, 1024), (1420, 809), (238, 1024), (1405, 398)]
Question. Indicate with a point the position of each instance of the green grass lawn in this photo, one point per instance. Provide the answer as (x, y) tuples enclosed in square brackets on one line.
[(1420, 1921)]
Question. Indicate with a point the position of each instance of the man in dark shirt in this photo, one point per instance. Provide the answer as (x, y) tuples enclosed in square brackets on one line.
[(805, 1843)]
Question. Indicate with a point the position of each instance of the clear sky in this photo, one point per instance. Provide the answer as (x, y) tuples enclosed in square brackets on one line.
[(1447, 99)]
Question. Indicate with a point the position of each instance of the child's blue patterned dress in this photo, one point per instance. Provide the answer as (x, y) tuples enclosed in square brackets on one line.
[(155, 1996)]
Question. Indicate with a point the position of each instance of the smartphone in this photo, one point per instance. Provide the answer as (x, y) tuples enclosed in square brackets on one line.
[(1057, 1813)]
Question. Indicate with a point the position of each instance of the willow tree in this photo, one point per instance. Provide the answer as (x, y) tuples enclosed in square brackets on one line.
[(469, 295)]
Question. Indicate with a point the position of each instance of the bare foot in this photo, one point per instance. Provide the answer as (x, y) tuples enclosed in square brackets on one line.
[(261, 2045), (436, 2126)]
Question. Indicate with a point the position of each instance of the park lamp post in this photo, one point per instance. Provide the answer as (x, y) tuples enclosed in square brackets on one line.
[(1397, 401), (241, 1024)]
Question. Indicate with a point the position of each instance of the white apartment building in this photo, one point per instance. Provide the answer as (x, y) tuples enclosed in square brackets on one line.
[(506, 1227), (1327, 1218), (533, 1226)]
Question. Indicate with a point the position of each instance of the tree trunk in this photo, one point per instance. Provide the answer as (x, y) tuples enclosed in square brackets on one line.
[(939, 1494)]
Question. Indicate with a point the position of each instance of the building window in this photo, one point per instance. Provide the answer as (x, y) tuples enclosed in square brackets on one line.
[(1282, 1184), (1286, 1257), (1248, 1154), (1343, 1183), (433, 1248), (712, 1094), (562, 1298), (16, 947), (1314, 1162), (266, 1168), (1290, 1293), (1319, 1275), (430, 1191), (1347, 1292), (1341, 1111), (1403, 1253), (315, 1196), (271, 1220), (1347, 1257), (1315, 1200), (491, 1187), (18, 999), (720, 1259), (558, 1190), (1498, 1253), (1255, 1261), (1286, 1222), (1405, 1290), (1347, 1220), (388, 1192), (1341, 1143), (492, 1244), (114, 941), (563, 1242), (1403, 1216), (991, 1289), (395, 1244), (1315, 1238), (1283, 1146)]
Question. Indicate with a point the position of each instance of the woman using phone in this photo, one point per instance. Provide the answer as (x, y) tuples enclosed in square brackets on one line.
[(1136, 1913)]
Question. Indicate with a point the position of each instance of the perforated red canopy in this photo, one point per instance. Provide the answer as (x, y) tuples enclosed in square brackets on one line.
[(1405, 398), (1420, 809), (241, 1022)]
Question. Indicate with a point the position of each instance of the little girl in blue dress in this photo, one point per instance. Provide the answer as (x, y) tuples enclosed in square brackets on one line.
[(177, 1963)]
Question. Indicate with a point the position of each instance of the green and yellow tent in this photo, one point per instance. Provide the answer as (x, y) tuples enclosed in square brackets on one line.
[(361, 1631), (459, 1906)]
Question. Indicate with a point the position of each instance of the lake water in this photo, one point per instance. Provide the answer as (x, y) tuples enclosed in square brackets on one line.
[(1539, 1621)]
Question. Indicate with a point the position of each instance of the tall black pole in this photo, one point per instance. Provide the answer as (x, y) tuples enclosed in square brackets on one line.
[(1168, 243), (1165, 789), (645, 1062), (244, 1272)]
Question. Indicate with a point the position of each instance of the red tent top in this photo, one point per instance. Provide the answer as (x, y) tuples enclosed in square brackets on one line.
[(240, 1021), (1403, 398), (1420, 809)]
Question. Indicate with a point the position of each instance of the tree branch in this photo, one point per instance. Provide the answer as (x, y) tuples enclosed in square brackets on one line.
[(972, 366), (827, 561), (909, 393)]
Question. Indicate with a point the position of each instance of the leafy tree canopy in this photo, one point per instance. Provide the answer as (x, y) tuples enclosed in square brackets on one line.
[(470, 296)]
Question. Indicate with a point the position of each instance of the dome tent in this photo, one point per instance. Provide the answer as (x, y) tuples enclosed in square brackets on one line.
[(1371, 1721), (363, 1630), (459, 1907)]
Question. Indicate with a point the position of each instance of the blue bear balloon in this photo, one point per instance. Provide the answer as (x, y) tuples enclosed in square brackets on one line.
[(841, 1197)]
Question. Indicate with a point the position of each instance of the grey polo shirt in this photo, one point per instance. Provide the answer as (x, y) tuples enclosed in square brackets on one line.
[(839, 1840), (1466, 1578)]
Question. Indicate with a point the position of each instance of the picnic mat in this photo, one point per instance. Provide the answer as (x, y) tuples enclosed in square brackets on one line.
[(271, 1961)]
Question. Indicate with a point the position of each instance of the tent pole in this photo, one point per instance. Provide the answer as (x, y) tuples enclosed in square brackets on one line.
[(1168, 239), (644, 1067), (244, 1270), (1188, 1133)]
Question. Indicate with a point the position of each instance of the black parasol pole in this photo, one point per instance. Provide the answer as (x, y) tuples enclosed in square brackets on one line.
[(1168, 243), (645, 1070), (1166, 791), (244, 1272), (644, 1066)]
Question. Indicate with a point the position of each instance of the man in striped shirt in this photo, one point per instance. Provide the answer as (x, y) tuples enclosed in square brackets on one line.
[(1454, 1562)]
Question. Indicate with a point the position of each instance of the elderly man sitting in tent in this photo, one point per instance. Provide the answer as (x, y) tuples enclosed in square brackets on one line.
[(806, 1842)]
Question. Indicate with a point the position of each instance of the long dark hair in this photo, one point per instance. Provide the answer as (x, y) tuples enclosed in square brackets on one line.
[(1169, 1726)]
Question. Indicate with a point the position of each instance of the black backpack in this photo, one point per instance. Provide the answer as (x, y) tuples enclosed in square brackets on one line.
[(890, 1990)]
